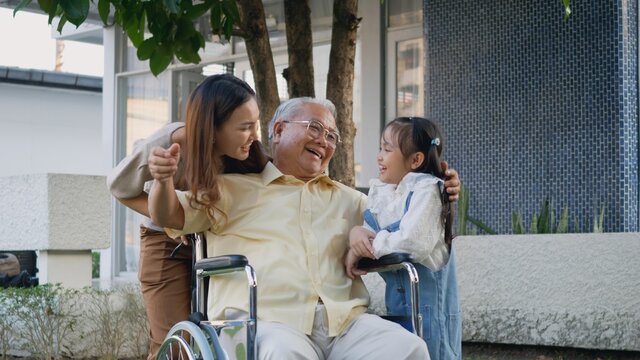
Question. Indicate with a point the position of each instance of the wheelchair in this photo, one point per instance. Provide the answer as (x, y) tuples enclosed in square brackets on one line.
[(396, 261), (200, 338)]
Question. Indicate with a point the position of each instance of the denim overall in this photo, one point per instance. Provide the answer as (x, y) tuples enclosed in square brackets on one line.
[(439, 304)]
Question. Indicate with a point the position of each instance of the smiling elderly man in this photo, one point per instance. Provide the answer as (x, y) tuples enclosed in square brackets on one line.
[(292, 222)]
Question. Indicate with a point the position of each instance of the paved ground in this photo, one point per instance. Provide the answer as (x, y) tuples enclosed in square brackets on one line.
[(477, 351)]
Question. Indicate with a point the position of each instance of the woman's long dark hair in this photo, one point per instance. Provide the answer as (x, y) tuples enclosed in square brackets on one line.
[(416, 134), (209, 106)]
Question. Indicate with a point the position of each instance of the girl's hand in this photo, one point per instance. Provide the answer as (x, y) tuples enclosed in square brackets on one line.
[(360, 240), (351, 265), (163, 163), (451, 182)]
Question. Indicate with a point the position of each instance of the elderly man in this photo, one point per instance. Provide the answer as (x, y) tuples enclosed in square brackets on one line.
[(292, 222)]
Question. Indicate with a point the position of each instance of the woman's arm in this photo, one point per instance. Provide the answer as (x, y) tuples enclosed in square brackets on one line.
[(164, 207), (127, 180)]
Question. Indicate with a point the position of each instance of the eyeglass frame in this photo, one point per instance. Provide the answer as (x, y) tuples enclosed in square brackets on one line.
[(326, 132)]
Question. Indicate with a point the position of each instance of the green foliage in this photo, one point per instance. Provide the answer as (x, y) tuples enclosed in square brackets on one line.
[(159, 29), (567, 9), (464, 220), (95, 265), (544, 222), (598, 221)]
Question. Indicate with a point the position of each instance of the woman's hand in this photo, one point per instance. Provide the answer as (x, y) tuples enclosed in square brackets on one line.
[(451, 181)]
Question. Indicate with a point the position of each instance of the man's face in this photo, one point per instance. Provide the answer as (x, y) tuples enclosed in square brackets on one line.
[(296, 151)]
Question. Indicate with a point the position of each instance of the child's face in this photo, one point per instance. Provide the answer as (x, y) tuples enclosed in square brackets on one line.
[(391, 163)]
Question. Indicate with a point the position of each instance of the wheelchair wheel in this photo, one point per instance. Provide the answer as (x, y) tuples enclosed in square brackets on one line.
[(186, 340)]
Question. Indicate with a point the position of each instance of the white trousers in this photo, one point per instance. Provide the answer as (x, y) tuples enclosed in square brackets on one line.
[(367, 337)]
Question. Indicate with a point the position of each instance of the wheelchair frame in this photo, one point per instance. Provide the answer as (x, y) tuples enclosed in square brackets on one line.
[(199, 338), (396, 261)]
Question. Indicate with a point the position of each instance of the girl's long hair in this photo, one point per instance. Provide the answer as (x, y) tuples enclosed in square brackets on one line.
[(415, 134), (209, 106)]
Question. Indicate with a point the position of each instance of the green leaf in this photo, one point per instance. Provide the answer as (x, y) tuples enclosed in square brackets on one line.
[(543, 220), (230, 9), (185, 29), (48, 6), (567, 9), (76, 11), (103, 10), (534, 224), (516, 223), (479, 224), (576, 224), (172, 5), (228, 28), (563, 223), (158, 62), (63, 20), (146, 48), (216, 18), (21, 6), (198, 10)]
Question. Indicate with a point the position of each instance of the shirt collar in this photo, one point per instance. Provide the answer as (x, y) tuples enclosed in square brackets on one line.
[(271, 173)]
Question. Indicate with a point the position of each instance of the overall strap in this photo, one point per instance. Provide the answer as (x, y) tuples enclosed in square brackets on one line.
[(370, 220)]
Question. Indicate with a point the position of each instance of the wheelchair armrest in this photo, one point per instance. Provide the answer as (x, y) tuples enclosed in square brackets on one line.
[(387, 262), (222, 264)]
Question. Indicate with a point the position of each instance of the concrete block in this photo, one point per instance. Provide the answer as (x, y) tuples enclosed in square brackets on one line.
[(570, 290), (54, 212)]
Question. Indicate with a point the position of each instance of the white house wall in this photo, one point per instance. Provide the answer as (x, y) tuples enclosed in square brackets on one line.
[(50, 130)]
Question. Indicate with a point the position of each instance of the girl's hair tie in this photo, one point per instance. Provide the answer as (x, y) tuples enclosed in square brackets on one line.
[(435, 141)]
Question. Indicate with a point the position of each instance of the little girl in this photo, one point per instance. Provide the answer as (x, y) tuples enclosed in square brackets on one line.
[(408, 212)]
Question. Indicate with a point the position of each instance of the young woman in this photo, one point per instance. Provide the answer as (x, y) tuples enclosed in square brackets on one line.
[(220, 136), (409, 212)]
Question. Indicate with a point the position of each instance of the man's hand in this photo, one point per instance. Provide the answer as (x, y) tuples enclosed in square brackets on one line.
[(351, 265), (451, 182), (163, 163), (360, 242)]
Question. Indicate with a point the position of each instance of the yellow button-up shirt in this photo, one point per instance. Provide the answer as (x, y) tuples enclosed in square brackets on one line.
[(295, 235)]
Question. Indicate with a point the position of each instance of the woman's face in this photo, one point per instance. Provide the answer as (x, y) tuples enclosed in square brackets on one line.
[(235, 136)]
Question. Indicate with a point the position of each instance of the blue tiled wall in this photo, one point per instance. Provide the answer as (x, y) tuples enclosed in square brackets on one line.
[(534, 106)]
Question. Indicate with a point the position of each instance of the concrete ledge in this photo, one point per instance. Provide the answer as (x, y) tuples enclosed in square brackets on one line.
[(54, 212), (573, 290)]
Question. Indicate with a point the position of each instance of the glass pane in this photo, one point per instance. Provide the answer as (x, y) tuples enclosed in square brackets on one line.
[(404, 12), (410, 77), (283, 91), (145, 105)]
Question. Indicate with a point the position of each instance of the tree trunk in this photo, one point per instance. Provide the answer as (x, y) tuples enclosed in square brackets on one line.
[(299, 74), (340, 86), (261, 60)]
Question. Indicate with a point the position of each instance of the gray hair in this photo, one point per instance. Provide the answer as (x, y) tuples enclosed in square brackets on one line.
[(290, 108)]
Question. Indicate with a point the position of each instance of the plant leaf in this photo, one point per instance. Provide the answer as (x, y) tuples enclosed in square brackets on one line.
[(63, 20), (198, 10), (563, 223), (567, 9), (146, 48), (104, 8), (479, 224), (172, 5), (21, 5), (158, 62), (76, 11)]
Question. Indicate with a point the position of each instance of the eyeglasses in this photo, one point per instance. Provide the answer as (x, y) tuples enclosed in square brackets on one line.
[(315, 129)]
